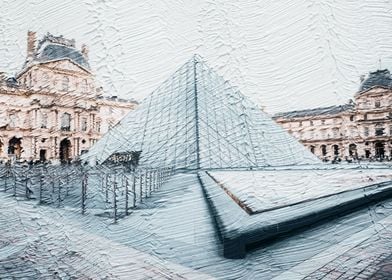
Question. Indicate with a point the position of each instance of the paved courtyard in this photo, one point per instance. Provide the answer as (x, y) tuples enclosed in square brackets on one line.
[(172, 236)]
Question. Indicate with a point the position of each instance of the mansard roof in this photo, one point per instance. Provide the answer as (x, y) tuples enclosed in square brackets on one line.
[(380, 78), (331, 110), (53, 48), (56, 52)]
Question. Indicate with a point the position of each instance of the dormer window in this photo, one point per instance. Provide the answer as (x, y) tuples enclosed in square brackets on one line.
[(65, 83)]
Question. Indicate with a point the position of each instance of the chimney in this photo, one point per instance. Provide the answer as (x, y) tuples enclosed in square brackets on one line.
[(85, 51), (3, 78), (31, 38)]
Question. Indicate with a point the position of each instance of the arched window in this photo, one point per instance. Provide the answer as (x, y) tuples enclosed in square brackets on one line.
[(66, 122), (352, 150), (65, 150), (324, 150), (335, 150), (65, 83), (15, 147)]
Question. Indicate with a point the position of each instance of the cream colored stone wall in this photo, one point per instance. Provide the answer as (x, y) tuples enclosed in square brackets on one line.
[(372, 112), (33, 111)]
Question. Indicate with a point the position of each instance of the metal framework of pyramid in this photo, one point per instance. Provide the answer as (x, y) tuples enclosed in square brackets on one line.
[(196, 120)]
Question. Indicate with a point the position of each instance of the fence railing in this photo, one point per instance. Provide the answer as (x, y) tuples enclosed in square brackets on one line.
[(104, 190)]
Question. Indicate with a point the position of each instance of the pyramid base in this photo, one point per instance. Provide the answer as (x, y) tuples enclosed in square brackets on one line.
[(239, 230)]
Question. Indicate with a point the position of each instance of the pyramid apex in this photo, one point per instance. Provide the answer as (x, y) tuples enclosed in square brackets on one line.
[(197, 58)]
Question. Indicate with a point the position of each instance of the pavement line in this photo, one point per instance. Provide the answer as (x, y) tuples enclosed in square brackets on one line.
[(318, 261)]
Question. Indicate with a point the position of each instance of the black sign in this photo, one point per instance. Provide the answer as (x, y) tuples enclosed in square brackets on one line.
[(131, 158)]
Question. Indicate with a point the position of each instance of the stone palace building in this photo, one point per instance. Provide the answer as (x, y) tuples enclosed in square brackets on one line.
[(52, 109), (361, 129)]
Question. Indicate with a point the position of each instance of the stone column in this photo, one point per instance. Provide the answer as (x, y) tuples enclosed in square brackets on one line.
[(35, 148), (75, 147)]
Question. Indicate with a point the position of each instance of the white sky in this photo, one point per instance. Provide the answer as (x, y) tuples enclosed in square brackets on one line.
[(285, 54)]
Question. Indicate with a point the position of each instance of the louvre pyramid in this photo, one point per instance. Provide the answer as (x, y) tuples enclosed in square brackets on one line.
[(196, 120)]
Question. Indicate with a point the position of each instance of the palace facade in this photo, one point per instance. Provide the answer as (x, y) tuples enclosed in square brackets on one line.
[(360, 129), (52, 109)]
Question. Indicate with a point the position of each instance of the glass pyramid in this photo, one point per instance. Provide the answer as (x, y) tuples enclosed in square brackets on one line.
[(196, 120)]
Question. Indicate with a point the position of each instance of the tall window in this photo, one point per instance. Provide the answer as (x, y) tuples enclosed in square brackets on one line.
[(30, 80), (65, 83), (44, 120), (98, 126), (353, 131), (335, 150), (84, 124), (335, 132), (45, 80), (324, 150), (66, 122), (13, 120), (366, 131), (377, 104), (379, 130), (84, 86)]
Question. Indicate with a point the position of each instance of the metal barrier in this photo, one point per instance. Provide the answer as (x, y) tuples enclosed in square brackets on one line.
[(104, 190)]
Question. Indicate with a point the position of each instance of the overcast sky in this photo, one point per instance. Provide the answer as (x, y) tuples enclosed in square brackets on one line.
[(286, 55)]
